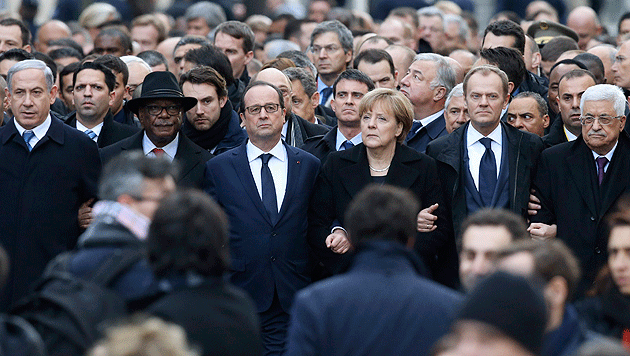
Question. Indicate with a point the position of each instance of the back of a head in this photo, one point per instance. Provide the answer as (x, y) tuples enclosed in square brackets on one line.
[(210, 56), (382, 212), (212, 13), (153, 58), (125, 174), (142, 336), (594, 65), (508, 60), (115, 64), (189, 233), (512, 304), (552, 50)]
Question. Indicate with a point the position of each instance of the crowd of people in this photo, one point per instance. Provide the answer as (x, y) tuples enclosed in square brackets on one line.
[(314, 183)]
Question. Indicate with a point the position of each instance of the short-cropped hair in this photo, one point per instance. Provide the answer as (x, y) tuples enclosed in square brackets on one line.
[(189, 233), (394, 102), (115, 64), (238, 30), (541, 104), (304, 77), (125, 174), (513, 223), (110, 78), (353, 74), (31, 64), (382, 212), (373, 56), (607, 92), (259, 83), (444, 73), (457, 91), (486, 70)]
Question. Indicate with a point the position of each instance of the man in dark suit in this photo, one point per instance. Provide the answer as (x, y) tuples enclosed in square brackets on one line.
[(296, 130), (348, 90), (486, 163), (429, 80), (570, 88), (160, 109), (264, 186), (93, 94), (579, 182), (47, 170), (405, 318)]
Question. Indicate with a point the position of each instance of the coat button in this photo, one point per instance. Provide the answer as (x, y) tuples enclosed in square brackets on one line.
[(592, 218), (598, 251), (273, 259)]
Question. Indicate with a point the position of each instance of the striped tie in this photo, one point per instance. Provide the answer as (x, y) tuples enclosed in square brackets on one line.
[(91, 134)]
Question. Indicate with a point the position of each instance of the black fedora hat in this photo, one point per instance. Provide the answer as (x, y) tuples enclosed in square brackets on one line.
[(160, 85)]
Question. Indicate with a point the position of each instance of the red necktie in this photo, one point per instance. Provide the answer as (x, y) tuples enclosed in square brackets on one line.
[(158, 152)]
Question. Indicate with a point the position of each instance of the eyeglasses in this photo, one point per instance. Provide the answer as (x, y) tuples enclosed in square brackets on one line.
[(603, 120), (156, 110), (327, 49), (269, 108)]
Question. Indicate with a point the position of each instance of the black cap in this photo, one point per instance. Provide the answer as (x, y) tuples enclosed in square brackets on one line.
[(511, 304), (161, 85)]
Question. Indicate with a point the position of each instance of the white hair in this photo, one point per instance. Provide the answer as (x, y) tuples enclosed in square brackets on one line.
[(457, 91), (31, 64), (134, 59), (607, 92)]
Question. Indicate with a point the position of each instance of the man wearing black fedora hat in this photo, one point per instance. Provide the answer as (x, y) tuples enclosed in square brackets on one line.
[(160, 109)]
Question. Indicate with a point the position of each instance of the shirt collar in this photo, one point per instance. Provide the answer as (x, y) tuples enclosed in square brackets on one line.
[(170, 149), (473, 135), (608, 155), (570, 136), (341, 139), (429, 119), (277, 151), (320, 85), (39, 131), (96, 129)]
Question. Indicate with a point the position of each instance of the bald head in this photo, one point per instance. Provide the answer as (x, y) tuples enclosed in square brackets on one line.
[(606, 54), (584, 21), (50, 31), (279, 79), (458, 68), (465, 59)]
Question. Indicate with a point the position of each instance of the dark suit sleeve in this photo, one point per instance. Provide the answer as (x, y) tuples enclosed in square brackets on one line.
[(303, 339), (208, 182), (544, 191), (321, 215), (427, 244)]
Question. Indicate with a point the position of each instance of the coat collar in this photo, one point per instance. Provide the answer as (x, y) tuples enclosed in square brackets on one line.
[(55, 132)]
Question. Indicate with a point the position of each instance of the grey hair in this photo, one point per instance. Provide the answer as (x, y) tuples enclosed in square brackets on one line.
[(304, 77), (209, 11), (461, 23), (126, 173), (134, 59), (431, 11), (456, 92), (344, 34), (607, 92), (31, 64), (444, 73), (541, 103), (275, 47)]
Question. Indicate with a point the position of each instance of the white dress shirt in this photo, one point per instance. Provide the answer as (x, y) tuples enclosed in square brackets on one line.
[(341, 139), (170, 150), (39, 131), (278, 165), (476, 150), (96, 129), (570, 136), (608, 155)]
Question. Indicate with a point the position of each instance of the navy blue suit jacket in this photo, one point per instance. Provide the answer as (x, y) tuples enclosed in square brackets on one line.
[(41, 194), (265, 255), (381, 306), (435, 129)]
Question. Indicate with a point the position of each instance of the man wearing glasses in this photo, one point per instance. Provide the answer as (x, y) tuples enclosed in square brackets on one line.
[(264, 186), (160, 109), (331, 52), (579, 182)]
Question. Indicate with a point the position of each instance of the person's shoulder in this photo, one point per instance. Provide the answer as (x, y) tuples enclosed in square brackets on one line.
[(303, 155)]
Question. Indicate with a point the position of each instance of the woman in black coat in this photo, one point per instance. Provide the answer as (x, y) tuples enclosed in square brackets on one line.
[(607, 310), (386, 117)]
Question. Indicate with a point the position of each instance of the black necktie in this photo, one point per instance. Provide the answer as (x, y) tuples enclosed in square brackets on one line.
[(268, 188), (487, 173), (326, 92)]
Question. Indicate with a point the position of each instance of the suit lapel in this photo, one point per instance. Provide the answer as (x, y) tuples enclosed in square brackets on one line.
[(580, 160), (293, 178), (186, 156), (134, 142), (619, 167), (105, 130), (400, 174), (244, 173), (356, 175), (517, 157)]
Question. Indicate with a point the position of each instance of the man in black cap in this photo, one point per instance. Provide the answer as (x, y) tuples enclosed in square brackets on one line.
[(160, 109)]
